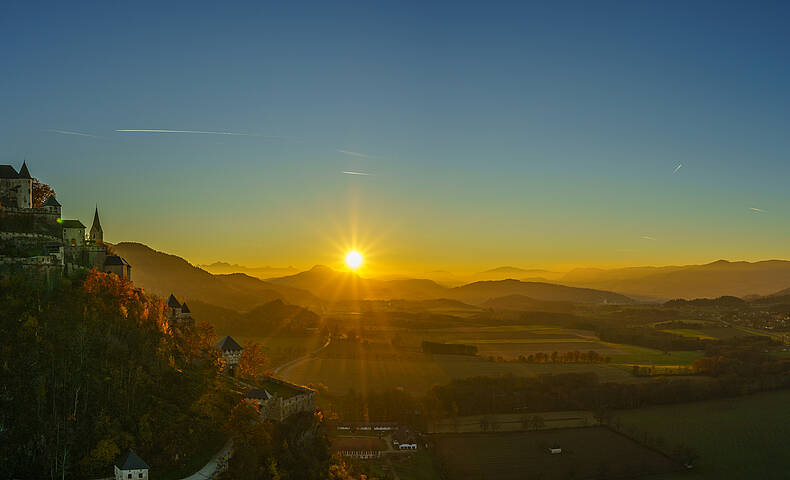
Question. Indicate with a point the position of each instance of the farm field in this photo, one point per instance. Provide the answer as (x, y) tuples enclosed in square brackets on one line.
[(280, 349), (512, 422), (377, 365), (419, 372), (735, 438), (592, 452), (708, 333)]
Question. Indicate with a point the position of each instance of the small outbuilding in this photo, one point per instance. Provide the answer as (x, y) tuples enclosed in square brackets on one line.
[(131, 467), (119, 266)]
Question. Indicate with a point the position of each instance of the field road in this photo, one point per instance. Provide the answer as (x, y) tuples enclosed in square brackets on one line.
[(303, 357), (212, 467)]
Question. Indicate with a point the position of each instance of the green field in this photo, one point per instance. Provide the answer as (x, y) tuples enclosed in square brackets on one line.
[(419, 465), (512, 422), (418, 373), (378, 365), (736, 438), (592, 452), (708, 333)]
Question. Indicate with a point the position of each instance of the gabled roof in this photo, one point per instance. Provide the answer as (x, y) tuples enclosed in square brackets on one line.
[(72, 224), (172, 302), (23, 172), (51, 202), (96, 224), (115, 260), (7, 171), (259, 394), (184, 308), (131, 461), (228, 344)]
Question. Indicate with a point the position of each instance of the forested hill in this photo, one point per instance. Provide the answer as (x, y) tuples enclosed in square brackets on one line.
[(162, 274), (92, 369)]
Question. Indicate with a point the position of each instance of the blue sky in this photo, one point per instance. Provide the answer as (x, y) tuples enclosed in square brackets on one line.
[(493, 133)]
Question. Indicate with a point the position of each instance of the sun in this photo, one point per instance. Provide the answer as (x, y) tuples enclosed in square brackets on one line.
[(353, 259)]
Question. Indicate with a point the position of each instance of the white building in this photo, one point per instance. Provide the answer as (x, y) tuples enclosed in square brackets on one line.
[(131, 467)]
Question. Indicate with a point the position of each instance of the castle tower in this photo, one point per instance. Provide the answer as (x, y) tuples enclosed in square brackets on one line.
[(16, 189), (96, 234)]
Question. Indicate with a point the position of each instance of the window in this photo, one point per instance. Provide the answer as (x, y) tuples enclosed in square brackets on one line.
[(128, 475), (139, 475)]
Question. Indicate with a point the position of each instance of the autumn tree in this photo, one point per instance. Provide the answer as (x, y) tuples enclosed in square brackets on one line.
[(41, 191), (252, 363)]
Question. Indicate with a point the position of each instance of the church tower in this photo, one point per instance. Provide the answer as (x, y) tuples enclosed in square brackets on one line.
[(96, 235)]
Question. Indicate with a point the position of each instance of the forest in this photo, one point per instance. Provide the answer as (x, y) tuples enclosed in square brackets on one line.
[(93, 368)]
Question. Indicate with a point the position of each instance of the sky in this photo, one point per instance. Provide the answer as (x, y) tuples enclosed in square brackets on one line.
[(444, 136)]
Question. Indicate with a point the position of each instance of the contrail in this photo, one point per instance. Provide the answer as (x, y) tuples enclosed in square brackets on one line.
[(356, 154), (357, 173), (647, 237), (199, 132), (69, 132), (756, 210), (677, 168)]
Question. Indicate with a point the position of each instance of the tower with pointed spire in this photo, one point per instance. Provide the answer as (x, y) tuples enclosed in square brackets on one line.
[(96, 234)]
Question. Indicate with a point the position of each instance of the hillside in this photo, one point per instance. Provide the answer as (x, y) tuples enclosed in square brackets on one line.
[(720, 278), (332, 285), (161, 273), (527, 304), (274, 317), (480, 292)]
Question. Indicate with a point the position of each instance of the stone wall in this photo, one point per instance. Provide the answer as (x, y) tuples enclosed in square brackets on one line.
[(30, 220), (16, 192)]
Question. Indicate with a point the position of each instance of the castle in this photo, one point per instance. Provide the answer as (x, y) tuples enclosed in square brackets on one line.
[(36, 241)]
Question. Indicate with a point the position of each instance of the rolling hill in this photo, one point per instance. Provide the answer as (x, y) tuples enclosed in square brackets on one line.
[(161, 273), (275, 317), (479, 292), (712, 280), (526, 304)]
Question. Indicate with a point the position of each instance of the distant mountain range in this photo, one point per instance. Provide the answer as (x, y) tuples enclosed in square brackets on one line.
[(333, 285), (711, 280), (224, 268), (507, 272), (162, 274)]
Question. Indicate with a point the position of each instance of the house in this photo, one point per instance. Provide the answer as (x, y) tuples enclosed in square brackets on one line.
[(130, 466), (278, 399), (119, 266), (73, 233)]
